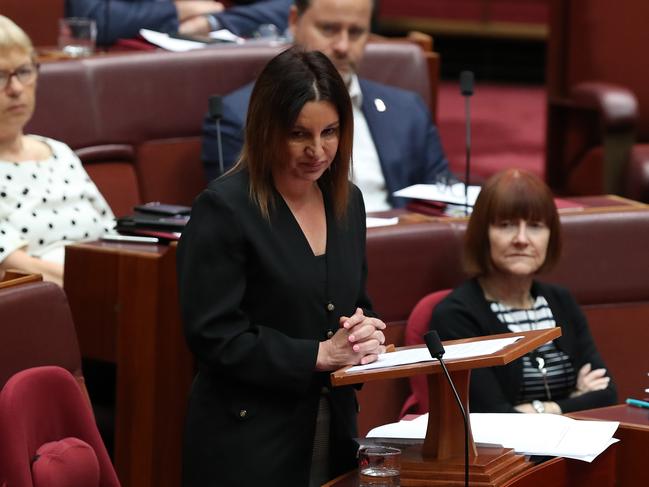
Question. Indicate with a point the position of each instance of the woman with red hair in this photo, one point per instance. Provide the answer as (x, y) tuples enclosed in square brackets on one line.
[(513, 235)]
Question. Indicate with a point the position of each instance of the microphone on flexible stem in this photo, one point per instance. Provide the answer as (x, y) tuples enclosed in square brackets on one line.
[(466, 88), (436, 350), (215, 110)]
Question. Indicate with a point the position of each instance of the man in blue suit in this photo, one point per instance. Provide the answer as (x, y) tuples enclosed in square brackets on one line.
[(395, 142), (123, 19)]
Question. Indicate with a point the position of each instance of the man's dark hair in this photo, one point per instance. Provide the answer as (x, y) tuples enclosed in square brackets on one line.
[(302, 5)]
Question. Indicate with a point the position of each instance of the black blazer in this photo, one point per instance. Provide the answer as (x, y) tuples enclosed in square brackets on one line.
[(254, 311), (466, 313)]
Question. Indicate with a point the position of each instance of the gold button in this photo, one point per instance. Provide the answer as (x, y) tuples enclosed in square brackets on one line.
[(243, 413), (330, 334), (330, 307)]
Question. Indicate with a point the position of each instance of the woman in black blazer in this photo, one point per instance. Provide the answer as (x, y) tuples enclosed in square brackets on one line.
[(272, 274), (514, 235)]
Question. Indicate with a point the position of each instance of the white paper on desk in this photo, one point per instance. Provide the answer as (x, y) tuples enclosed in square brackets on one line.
[(451, 193), (163, 40), (421, 354), (412, 429), (372, 221), (226, 36), (544, 434), (529, 434)]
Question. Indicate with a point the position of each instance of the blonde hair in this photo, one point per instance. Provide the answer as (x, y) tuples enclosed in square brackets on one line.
[(13, 38)]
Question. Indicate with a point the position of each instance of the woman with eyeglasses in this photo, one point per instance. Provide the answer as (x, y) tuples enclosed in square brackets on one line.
[(514, 235), (47, 199)]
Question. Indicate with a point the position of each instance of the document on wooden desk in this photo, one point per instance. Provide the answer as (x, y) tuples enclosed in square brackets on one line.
[(421, 354), (528, 434), (372, 221)]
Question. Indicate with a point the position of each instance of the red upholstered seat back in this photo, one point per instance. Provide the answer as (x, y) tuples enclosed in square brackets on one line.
[(135, 120), (39, 18), (37, 329), (39, 406), (418, 324)]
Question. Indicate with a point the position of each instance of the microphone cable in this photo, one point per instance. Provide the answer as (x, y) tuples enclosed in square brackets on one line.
[(436, 349)]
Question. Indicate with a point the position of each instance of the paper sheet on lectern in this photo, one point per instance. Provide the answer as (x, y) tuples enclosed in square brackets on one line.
[(416, 355), (529, 434)]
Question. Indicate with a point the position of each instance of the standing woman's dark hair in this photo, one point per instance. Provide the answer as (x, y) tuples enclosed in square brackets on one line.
[(287, 83)]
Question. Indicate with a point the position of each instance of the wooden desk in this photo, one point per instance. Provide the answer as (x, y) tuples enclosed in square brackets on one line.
[(633, 433), (557, 472), (124, 304)]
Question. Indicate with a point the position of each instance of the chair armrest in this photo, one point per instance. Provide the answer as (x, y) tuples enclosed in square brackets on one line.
[(589, 138), (617, 105), (637, 177)]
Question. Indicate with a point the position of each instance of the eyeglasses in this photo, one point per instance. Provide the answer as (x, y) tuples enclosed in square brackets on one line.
[(26, 74)]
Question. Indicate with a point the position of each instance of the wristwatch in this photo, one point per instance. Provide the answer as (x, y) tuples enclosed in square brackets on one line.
[(538, 406), (213, 22)]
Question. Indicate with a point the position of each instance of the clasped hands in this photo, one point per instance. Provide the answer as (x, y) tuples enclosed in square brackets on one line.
[(359, 340)]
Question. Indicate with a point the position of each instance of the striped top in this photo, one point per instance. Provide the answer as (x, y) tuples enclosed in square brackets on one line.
[(548, 373)]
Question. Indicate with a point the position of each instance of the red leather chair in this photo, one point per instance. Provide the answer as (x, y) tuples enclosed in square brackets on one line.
[(37, 329), (48, 436), (598, 98), (418, 322)]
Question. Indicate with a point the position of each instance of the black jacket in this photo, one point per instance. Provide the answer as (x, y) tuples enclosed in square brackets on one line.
[(254, 312), (466, 313)]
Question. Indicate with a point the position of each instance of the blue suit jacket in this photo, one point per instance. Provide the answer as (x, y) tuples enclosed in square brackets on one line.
[(406, 140), (123, 19)]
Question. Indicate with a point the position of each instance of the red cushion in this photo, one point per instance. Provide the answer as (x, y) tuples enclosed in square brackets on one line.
[(69, 462), (417, 326)]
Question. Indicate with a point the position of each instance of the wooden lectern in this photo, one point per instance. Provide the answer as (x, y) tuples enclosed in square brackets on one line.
[(440, 460)]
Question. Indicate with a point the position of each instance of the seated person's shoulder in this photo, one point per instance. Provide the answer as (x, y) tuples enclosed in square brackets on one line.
[(39, 148), (391, 93), (235, 106), (465, 301), (231, 187), (240, 96), (462, 296)]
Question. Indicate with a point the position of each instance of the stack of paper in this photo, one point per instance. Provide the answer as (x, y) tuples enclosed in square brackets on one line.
[(528, 434)]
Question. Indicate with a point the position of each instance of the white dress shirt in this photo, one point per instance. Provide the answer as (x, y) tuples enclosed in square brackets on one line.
[(366, 172)]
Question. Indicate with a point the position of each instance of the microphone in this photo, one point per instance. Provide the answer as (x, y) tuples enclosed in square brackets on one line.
[(436, 349), (215, 110), (466, 88)]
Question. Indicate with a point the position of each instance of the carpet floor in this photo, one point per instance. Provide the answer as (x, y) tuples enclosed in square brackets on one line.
[(507, 127)]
